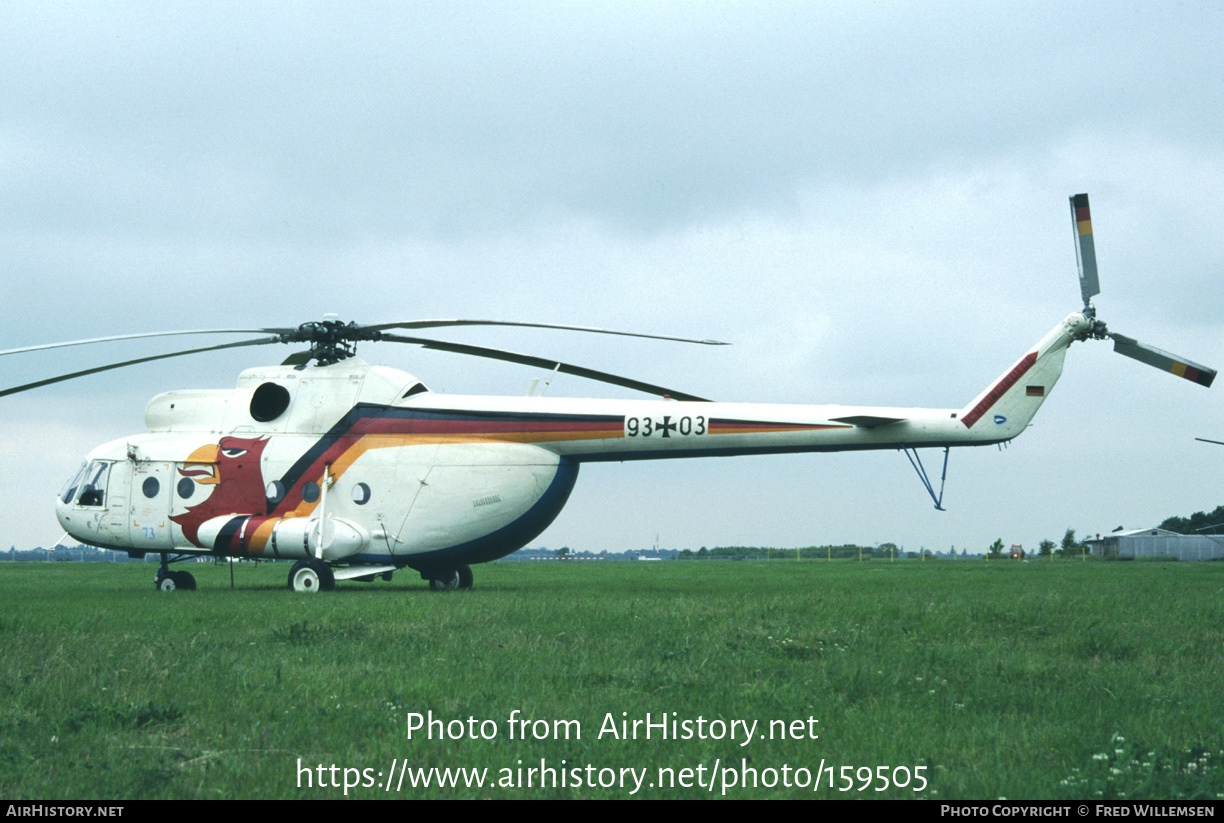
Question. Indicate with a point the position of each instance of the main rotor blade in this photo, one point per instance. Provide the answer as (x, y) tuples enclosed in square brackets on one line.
[(543, 362), (1085, 249), (351, 332), (68, 343), (1162, 360), (1205, 440), (433, 324), (48, 381)]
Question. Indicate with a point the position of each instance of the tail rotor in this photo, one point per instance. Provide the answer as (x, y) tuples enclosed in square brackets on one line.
[(1085, 253)]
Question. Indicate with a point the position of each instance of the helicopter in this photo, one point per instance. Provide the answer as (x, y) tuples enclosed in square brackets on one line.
[(356, 471)]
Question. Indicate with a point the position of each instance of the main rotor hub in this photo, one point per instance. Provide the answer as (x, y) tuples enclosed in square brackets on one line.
[(330, 340)]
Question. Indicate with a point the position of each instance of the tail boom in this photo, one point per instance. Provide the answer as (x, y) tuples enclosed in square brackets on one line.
[(589, 430)]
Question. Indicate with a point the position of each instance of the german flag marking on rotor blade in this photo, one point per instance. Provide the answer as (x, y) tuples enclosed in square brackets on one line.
[(1194, 375), (1085, 249), (1159, 359), (1083, 218)]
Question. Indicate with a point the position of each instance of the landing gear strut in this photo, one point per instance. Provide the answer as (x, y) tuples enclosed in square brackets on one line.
[(449, 581), (168, 581), (916, 462)]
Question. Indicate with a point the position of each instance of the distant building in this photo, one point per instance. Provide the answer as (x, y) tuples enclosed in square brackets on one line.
[(1129, 545)]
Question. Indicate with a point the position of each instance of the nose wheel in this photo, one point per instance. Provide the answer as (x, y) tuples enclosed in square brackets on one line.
[(168, 581), (173, 581)]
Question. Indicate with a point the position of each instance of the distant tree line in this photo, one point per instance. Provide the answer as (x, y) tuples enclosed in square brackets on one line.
[(1069, 546), (1195, 523), (843, 551)]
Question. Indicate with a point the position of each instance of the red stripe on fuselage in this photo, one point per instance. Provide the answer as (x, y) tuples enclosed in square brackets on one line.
[(765, 427), (391, 425), (511, 428)]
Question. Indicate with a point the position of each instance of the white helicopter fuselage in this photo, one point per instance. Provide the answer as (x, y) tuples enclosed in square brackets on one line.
[(359, 465), (357, 471)]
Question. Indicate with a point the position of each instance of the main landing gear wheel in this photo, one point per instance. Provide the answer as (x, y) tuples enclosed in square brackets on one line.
[(311, 576), (460, 578), (172, 581)]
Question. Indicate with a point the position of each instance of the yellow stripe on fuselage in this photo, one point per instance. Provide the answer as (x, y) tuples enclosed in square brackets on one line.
[(259, 540), (387, 441)]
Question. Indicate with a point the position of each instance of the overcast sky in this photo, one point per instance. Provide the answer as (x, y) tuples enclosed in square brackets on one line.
[(869, 200)]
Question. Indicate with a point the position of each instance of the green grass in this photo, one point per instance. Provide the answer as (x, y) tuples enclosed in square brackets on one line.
[(1017, 680)]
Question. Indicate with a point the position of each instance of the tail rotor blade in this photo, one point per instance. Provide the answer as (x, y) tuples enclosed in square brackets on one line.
[(1085, 250), (1162, 360)]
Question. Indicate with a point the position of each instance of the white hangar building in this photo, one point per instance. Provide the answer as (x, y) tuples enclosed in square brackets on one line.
[(1128, 545)]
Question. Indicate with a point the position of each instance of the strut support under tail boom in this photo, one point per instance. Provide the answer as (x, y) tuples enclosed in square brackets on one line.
[(916, 462)]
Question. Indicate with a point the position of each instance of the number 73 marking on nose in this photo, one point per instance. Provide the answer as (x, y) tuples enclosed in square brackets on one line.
[(665, 426)]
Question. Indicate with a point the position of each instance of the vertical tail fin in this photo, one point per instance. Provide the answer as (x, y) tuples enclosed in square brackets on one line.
[(1005, 408)]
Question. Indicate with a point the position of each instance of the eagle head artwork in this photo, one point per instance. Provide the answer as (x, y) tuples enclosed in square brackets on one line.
[(232, 469)]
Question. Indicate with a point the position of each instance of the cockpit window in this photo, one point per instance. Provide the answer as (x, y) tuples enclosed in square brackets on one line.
[(70, 490), (93, 491)]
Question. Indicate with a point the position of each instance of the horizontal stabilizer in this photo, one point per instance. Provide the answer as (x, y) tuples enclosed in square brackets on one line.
[(867, 421)]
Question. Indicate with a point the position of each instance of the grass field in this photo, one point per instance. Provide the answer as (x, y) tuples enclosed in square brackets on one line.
[(999, 679)]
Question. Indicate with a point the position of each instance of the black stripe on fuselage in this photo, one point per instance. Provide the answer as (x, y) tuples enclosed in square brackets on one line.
[(366, 411), (225, 537)]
